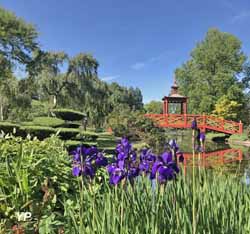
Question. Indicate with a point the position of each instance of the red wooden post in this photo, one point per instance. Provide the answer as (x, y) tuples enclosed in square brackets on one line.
[(185, 107), (240, 127), (166, 107), (185, 120)]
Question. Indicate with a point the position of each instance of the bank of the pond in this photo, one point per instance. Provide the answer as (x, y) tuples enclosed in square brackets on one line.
[(238, 142), (235, 139), (239, 139), (212, 136)]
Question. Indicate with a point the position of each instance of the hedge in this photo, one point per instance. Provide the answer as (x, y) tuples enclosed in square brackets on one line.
[(70, 125), (71, 144), (108, 150), (68, 114), (38, 131), (48, 121), (27, 123), (8, 127), (87, 136), (67, 133)]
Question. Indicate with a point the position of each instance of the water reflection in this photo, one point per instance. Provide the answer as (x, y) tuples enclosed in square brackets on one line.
[(216, 155), (213, 159)]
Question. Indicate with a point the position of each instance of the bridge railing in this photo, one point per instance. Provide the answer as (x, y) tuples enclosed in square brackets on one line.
[(203, 121), (211, 159)]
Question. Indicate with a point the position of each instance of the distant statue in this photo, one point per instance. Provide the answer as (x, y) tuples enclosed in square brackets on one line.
[(84, 123)]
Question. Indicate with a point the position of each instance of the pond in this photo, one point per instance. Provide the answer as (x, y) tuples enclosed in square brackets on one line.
[(218, 155)]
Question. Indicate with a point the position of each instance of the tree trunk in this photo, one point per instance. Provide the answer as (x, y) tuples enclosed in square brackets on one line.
[(1, 112), (54, 101)]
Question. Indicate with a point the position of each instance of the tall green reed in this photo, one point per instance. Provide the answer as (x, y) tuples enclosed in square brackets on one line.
[(222, 205)]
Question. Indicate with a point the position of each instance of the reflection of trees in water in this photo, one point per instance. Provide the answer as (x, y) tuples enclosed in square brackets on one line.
[(239, 167), (185, 143), (226, 161)]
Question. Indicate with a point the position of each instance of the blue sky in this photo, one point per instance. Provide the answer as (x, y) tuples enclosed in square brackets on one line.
[(138, 43)]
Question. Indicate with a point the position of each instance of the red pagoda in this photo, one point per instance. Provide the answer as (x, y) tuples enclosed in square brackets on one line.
[(176, 98)]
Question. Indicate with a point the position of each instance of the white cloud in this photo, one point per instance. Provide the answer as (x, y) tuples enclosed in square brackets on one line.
[(138, 66), (241, 16), (109, 78), (142, 64)]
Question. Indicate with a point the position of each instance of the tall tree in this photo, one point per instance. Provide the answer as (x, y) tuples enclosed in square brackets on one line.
[(17, 39), (17, 47), (52, 79), (154, 107), (212, 72)]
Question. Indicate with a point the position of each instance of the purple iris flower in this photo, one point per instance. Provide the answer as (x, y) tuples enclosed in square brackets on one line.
[(173, 145), (116, 175), (125, 165), (101, 160), (87, 160), (194, 124), (164, 169), (146, 160), (202, 136)]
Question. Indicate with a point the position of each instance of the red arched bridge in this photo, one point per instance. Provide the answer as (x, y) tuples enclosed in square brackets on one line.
[(205, 122)]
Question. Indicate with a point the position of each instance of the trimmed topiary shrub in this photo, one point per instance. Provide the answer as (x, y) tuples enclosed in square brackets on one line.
[(67, 133), (27, 123), (70, 125), (71, 144), (108, 150), (87, 136), (48, 121), (68, 114), (38, 131), (8, 127)]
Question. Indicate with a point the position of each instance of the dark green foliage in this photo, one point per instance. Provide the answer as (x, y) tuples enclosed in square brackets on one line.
[(48, 121), (37, 131), (154, 107), (212, 72), (247, 131), (69, 124), (136, 127), (87, 136), (35, 176), (68, 114), (18, 39), (55, 80), (120, 130), (67, 133), (8, 127), (38, 109)]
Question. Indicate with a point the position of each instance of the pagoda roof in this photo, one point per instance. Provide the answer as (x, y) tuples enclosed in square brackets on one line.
[(174, 96)]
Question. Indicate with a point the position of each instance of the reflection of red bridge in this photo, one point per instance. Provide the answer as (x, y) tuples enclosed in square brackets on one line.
[(215, 158), (204, 122)]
